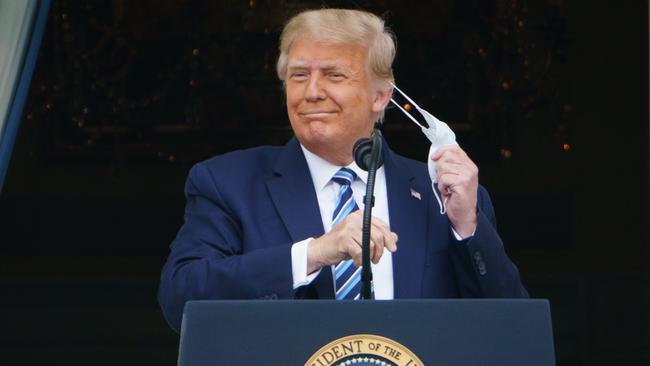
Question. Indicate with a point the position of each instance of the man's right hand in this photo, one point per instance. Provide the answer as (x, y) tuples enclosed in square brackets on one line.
[(344, 242)]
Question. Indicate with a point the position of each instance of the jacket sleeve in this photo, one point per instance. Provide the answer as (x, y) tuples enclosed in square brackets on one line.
[(482, 267), (208, 259)]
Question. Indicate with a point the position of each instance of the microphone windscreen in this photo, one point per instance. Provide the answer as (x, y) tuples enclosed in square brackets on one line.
[(362, 151)]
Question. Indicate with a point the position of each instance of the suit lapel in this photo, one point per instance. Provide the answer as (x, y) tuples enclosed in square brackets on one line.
[(408, 219), (292, 192)]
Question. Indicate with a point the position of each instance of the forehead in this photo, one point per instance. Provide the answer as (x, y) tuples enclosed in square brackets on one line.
[(305, 52)]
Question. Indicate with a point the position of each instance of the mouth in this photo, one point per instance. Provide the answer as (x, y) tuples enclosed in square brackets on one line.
[(317, 114)]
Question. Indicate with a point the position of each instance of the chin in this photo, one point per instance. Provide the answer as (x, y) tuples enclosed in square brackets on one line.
[(318, 131), (318, 139), (316, 142)]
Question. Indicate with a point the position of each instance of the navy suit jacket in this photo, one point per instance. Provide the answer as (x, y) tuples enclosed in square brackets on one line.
[(246, 208)]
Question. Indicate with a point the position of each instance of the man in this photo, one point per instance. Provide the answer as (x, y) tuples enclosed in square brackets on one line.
[(280, 222)]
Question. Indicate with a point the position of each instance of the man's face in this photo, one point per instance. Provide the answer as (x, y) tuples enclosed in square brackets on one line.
[(330, 101)]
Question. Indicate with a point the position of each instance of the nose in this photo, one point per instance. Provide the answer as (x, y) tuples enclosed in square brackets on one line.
[(315, 90)]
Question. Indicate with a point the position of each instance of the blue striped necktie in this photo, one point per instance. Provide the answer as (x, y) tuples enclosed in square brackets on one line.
[(348, 276)]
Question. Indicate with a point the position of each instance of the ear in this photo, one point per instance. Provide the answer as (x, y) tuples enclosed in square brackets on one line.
[(381, 99)]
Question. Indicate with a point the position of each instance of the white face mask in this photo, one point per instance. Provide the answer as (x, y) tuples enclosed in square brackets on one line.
[(437, 132)]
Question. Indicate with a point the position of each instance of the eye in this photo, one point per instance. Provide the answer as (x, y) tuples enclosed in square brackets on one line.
[(336, 76), (298, 76)]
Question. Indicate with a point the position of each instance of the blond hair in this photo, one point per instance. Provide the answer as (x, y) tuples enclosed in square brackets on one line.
[(344, 26)]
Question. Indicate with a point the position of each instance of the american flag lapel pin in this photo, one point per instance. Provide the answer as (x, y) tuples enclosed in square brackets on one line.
[(415, 194)]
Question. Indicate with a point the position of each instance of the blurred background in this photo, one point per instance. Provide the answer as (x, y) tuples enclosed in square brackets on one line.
[(549, 97)]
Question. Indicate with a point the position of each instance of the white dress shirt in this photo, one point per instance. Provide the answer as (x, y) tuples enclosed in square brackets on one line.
[(326, 191)]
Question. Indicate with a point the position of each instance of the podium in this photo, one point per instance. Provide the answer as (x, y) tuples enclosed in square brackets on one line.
[(397, 332)]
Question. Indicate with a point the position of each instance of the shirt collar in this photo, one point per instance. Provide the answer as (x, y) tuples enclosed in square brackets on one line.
[(322, 170)]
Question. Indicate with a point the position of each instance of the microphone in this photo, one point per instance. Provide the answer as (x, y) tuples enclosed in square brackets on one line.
[(362, 153), (367, 154)]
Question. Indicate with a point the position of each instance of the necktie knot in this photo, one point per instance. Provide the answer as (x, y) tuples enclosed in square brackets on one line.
[(344, 176), (345, 200)]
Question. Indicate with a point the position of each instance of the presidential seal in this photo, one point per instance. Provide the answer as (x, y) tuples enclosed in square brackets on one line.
[(364, 349)]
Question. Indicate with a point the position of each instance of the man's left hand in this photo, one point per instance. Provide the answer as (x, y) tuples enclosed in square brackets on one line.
[(458, 185)]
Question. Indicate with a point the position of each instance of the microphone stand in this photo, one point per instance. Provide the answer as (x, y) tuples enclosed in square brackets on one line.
[(369, 201)]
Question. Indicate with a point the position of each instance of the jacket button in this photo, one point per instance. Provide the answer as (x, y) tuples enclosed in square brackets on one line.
[(480, 264)]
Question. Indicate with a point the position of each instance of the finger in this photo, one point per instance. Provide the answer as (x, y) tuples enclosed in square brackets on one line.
[(377, 235), (355, 252), (454, 151), (446, 178), (380, 239), (451, 159), (376, 245), (456, 181), (450, 167), (443, 150), (379, 222), (356, 243), (357, 259), (439, 153), (458, 164), (380, 234), (455, 171), (388, 238), (377, 252), (392, 244), (445, 182), (390, 241)]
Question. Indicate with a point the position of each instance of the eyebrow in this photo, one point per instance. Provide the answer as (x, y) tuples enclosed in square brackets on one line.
[(298, 64)]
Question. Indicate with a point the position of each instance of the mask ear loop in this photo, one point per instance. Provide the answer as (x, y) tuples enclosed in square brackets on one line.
[(442, 204), (404, 110), (406, 113)]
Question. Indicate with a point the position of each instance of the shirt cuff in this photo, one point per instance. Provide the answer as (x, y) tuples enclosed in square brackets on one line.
[(458, 237), (299, 264)]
